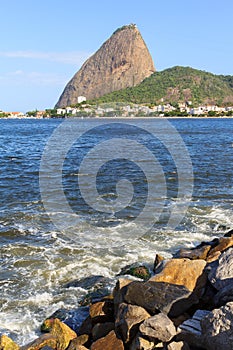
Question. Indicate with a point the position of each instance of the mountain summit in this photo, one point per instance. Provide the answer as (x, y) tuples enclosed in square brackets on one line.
[(122, 61)]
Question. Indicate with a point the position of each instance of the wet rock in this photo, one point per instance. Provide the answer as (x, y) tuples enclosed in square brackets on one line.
[(158, 327), (191, 331), (97, 287), (140, 271), (229, 233), (7, 343), (128, 319), (189, 273), (100, 330), (217, 328), (102, 311), (110, 342), (157, 261), (171, 299), (224, 243), (48, 341), (139, 343), (221, 272), (194, 253), (90, 282), (72, 318), (61, 331), (178, 346)]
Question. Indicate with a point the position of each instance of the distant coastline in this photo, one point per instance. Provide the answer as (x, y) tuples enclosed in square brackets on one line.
[(127, 110)]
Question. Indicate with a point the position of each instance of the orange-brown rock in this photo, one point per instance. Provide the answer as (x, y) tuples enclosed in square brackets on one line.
[(61, 331), (45, 340), (77, 342), (224, 243), (7, 343), (128, 320), (122, 61), (110, 342), (102, 312), (182, 272), (195, 253)]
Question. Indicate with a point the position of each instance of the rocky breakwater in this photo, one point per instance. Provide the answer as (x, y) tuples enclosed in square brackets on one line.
[(186, 304)]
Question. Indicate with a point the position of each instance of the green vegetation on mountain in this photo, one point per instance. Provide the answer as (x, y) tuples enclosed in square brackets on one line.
[(175, 85)]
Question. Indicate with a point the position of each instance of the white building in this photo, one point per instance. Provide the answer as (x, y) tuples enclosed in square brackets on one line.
[(81, 99)]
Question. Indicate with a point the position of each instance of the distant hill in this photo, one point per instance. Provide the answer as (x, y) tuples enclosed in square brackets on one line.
[(177, 84)]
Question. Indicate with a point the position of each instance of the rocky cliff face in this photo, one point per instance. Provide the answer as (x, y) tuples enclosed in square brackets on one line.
[(122, 61)]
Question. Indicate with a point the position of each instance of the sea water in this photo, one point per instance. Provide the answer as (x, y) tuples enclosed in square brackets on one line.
[(39, 257)]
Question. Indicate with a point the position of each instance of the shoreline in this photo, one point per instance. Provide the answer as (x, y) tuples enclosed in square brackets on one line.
[(172, 308), (118, 118)]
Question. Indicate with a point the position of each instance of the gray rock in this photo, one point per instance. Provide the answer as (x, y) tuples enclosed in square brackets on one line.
[(217, 328), (221, 272), (158, 327), (191, 331), (128, 319), (168, 298)]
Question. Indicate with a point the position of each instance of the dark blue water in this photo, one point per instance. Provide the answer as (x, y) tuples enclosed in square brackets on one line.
[(47, 240)]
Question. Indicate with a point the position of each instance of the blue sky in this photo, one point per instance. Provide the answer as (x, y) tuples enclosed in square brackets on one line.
[(44, 42)]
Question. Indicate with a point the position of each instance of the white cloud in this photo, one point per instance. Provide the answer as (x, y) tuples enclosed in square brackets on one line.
[(75, 57)]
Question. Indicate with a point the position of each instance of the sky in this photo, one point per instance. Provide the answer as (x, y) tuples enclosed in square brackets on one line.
[(43, 43)]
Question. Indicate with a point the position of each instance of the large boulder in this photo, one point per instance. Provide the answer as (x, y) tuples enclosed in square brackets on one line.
[(185, 272), (217, 328), (128, 319), (168, 298), (221, 271), (158, 327)]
